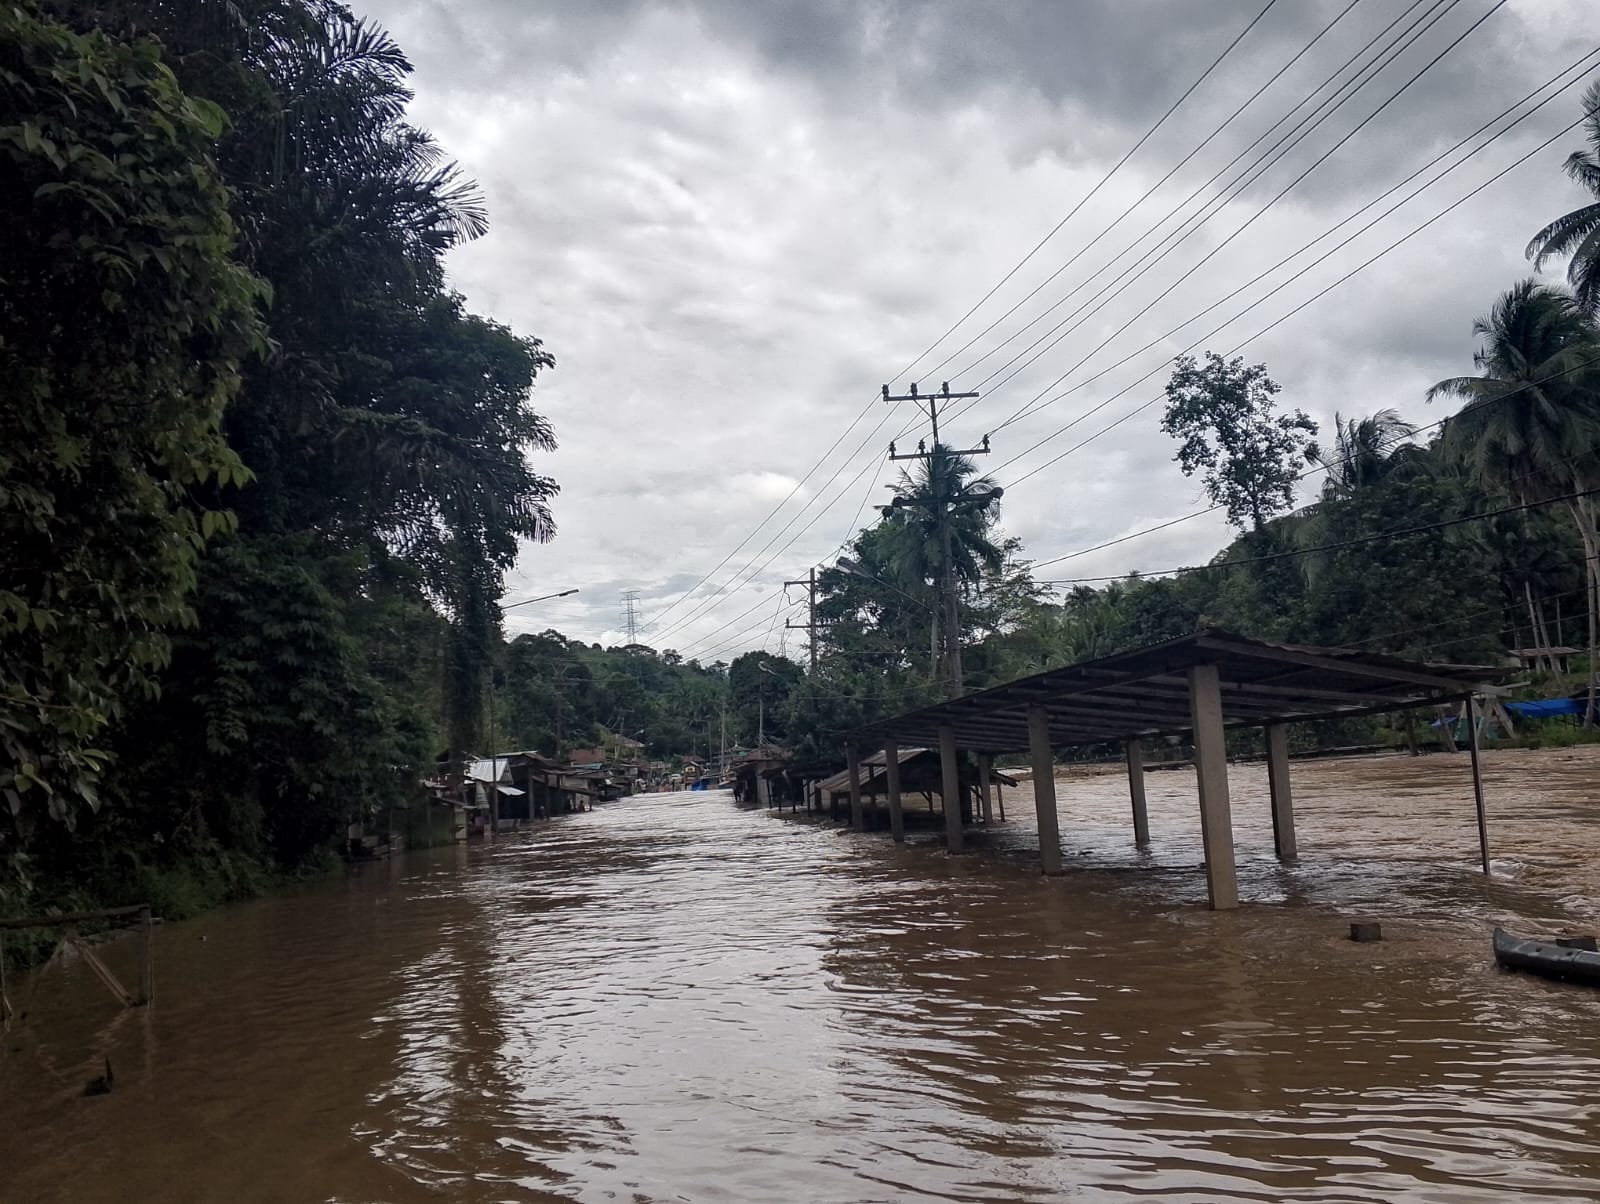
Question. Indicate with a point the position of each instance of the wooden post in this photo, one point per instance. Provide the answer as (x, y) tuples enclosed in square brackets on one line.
[(950, 794), (891, 780), (1000, 800), (1445, 738), (1283, 838), (985, 772), (1211, 772), (1141, 815), (853, 757), (1477, 784), (147, 967), (1044, 789)]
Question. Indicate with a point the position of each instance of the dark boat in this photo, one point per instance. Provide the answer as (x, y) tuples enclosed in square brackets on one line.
[(1570, 962)]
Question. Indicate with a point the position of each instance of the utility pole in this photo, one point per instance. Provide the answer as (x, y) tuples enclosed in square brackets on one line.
[(938, 459), (811, 614)]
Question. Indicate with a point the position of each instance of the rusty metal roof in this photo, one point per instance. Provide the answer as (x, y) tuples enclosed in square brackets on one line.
[(1146, 693)]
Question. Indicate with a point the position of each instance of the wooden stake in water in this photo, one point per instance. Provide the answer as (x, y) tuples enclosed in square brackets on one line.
[(1477, 780)]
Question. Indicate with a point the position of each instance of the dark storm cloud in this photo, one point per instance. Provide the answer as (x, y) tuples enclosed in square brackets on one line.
[(731, 220)]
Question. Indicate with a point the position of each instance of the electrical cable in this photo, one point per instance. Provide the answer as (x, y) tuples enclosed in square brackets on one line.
[(1270, 326), (1032, 406), (823, 459)]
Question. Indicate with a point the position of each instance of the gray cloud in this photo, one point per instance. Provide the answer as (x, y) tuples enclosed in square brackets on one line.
[(730, 221)]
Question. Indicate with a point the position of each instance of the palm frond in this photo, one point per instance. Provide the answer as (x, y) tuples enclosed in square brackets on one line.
[(1563, 234)]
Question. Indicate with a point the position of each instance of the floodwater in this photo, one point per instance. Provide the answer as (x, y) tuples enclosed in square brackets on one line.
[(672, 999)]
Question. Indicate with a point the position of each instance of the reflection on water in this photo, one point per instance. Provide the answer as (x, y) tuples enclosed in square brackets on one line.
[(672, 999)]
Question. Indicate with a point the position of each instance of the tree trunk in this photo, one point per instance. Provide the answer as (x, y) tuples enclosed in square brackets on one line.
[(1544, 636), (1591, 559), (1535, 642)]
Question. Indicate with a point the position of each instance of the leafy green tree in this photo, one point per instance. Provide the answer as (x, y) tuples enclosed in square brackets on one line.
[(123, 322), (1577, 234), (1248, 455), (758, 686), (1531, 424)]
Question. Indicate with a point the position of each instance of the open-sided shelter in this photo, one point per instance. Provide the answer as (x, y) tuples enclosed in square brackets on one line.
[(1197, 685)]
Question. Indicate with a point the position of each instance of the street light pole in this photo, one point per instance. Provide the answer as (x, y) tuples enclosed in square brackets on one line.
[(494, 757), (761, 706)]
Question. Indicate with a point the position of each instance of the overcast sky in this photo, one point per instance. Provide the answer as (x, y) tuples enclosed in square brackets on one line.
[(731, 221)]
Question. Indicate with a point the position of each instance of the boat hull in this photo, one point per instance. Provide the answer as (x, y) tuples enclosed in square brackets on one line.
[(1546, 958)]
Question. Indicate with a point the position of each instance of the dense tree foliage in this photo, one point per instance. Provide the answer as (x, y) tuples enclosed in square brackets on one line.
[(233, 322), (123, 321), (555, 695)]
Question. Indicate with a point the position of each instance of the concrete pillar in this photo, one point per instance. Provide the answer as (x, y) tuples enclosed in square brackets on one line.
[(985, 786), (1044, 789), (1141, 816), (1283, 841), (891, 781), (951, 792), (1211, 771), (763, 791), (857, 817)]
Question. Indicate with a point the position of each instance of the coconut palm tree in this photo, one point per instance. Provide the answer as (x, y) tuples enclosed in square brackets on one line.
[(1530, 427), (1364, 451), (944, 497), (1578, 233)]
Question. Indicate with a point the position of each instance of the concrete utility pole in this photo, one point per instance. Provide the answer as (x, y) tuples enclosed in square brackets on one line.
[(938, 462), (810, 625)]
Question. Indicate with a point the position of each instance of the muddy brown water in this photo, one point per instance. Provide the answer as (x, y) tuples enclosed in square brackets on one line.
[(672, 999)]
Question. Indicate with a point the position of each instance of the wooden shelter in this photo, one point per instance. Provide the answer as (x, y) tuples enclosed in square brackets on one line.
[(760, 777), (918, 772), (1197, 686)]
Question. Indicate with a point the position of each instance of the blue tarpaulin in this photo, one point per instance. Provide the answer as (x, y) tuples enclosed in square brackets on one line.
[(1546, 708)]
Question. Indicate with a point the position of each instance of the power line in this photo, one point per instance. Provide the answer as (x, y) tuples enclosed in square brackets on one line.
[(1358, 541), (1576, 69), (1302, 130), (753, 570), (1326, 466), (1105, 179), (1271, 325), (1238, 185), (960, 321), (1178, 235)]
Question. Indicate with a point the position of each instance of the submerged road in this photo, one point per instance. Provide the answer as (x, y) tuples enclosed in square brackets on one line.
[(672, 999)]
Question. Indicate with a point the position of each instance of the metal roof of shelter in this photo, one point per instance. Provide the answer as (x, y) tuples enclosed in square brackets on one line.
[(1146, 693)]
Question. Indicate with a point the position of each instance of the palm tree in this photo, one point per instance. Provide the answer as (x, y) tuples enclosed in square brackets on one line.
[(1364, 451), (1530, 427), (944, 500), (1578, 233)]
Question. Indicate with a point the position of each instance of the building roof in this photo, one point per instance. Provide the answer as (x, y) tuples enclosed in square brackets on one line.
[(1146, 693), (872, 765)]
